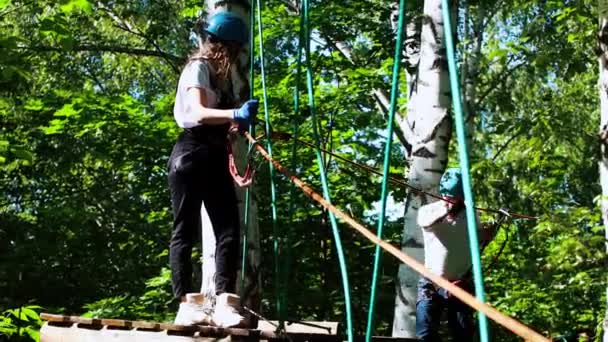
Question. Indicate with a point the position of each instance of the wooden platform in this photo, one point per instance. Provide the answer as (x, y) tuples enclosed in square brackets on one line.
[(80, 329)]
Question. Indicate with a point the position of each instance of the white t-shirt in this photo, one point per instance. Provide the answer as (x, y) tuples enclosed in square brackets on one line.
[(446, 247), (194, 75)]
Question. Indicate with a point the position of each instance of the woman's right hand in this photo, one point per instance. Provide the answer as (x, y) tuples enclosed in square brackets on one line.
[(244, 115)]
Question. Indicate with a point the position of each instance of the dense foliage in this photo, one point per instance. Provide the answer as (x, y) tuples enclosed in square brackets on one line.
[(86, 129)]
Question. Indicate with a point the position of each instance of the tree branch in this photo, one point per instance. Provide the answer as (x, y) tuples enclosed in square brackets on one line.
[(504, 146), (492, 86), (16, 8), (383, 102), (91, 74), (379, 95), (103, 48), (128, 27)]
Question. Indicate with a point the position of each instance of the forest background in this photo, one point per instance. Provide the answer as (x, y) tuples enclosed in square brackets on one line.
[(86, 128)]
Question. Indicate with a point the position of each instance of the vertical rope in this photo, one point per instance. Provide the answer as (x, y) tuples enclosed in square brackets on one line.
[(294, 163), (464, 165), (332, 217), (385, 172), (252, 130), (273, 195)]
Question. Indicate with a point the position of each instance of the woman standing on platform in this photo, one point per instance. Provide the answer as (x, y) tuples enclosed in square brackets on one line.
[(198, 170)]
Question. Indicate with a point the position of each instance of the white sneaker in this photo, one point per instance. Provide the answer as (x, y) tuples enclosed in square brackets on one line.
[(193, 311), (226, 314)]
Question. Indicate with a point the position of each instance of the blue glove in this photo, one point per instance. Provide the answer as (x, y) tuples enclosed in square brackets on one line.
[(244, 115)]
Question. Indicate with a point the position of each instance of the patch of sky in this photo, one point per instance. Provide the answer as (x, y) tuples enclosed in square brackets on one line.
[(394, 209)]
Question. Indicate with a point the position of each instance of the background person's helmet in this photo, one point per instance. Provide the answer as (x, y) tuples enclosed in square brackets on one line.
[(451, 183), (227, 26)]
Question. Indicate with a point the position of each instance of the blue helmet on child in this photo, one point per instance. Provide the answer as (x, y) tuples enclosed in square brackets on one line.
[(228, 27), (451, 183)]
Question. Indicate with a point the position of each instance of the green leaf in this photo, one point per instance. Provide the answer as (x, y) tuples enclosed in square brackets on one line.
[(34, 105), (34, 334), (4, 3), (56, 127), (23, 154), (29, 314), (73, 5), (66, 111), (56, 27)]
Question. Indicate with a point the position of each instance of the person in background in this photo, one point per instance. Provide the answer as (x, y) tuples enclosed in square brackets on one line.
[(198, 170), (447, 254)]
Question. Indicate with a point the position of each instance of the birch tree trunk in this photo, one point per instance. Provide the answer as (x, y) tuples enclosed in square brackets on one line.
[(603, 88), (240, 84), (474, 29), (428, 129)]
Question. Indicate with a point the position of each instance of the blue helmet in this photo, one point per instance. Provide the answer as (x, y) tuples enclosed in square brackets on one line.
[(228, 27), (451, 183)]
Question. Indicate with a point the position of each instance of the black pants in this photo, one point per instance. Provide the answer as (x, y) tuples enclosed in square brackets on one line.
[(198, 173)]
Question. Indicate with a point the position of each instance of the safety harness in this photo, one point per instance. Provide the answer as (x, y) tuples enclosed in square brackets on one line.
[(226, 101)]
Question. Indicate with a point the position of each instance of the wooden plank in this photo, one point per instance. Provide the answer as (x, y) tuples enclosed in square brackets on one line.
[(152, 326), (61, 328), (71, 319), (117, 323), (54, 318)]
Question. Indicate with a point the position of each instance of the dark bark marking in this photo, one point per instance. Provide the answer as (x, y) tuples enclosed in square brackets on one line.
[(440, 172), (423, 152), (434, 132)]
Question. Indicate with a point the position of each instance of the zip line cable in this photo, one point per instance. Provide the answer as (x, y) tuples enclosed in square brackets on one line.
[(500, 318), (385, 173), (396, 180)]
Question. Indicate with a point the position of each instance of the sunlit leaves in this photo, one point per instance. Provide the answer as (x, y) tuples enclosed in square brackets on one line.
[(21, 322), (69, 6)]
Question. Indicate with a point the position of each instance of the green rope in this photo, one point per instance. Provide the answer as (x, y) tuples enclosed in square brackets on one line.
[(296, 109), (387, 164), (252, 130), (273, 194), (332, 217), (294, 163), (464, 165)]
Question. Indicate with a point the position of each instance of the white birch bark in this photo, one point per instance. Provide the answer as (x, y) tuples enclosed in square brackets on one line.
[(474, 20), (428, 129), (603, 89), (240, 83)]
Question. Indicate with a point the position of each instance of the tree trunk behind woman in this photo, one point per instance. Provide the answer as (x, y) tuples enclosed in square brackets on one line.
[(240, 90)]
